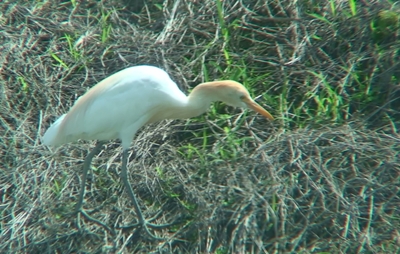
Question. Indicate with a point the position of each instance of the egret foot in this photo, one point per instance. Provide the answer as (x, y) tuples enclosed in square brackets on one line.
[(146, 225), (96, 221)]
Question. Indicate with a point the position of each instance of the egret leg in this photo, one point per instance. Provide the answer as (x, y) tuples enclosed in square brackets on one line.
[(86, 167), (142, 223)]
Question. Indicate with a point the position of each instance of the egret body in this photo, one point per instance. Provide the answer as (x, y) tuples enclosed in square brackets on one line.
[(119, 105)]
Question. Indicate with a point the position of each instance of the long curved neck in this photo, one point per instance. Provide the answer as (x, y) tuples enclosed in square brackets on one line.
[(204, 94), (198, 101)]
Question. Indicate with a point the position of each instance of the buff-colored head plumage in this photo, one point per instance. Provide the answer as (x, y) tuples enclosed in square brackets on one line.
[(233, 93)]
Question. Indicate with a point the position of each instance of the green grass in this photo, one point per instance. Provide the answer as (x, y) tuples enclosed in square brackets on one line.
[(24, 84), (105, 25), (76, 55), (353, 7), (58, 60), (224, 31)]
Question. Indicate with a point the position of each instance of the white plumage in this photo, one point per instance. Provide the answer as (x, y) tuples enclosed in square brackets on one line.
[(119, 105)]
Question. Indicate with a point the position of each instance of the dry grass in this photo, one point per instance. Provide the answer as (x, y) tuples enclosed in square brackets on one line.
[(323, 178)]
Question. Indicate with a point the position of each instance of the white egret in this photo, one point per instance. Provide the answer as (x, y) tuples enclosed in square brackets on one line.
[(119, 105)]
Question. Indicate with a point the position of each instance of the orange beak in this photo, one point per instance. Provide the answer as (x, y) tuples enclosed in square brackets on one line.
[(257, 108)]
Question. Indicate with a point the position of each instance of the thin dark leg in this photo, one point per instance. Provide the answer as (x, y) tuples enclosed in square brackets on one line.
[(128, 187), (86, 167), (141, 221)]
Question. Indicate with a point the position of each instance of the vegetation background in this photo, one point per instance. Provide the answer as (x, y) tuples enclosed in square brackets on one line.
[(323, 178)]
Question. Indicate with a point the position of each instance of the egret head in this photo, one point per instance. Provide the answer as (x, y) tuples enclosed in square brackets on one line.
[(235, 94)]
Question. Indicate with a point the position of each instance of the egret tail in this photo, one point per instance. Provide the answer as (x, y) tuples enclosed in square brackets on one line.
[(51, 137)]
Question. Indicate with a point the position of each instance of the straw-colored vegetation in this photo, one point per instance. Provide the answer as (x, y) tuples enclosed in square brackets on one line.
[(323, 178)]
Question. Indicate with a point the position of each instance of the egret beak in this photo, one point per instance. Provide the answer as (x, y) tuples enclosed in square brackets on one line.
[(254, 106)]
